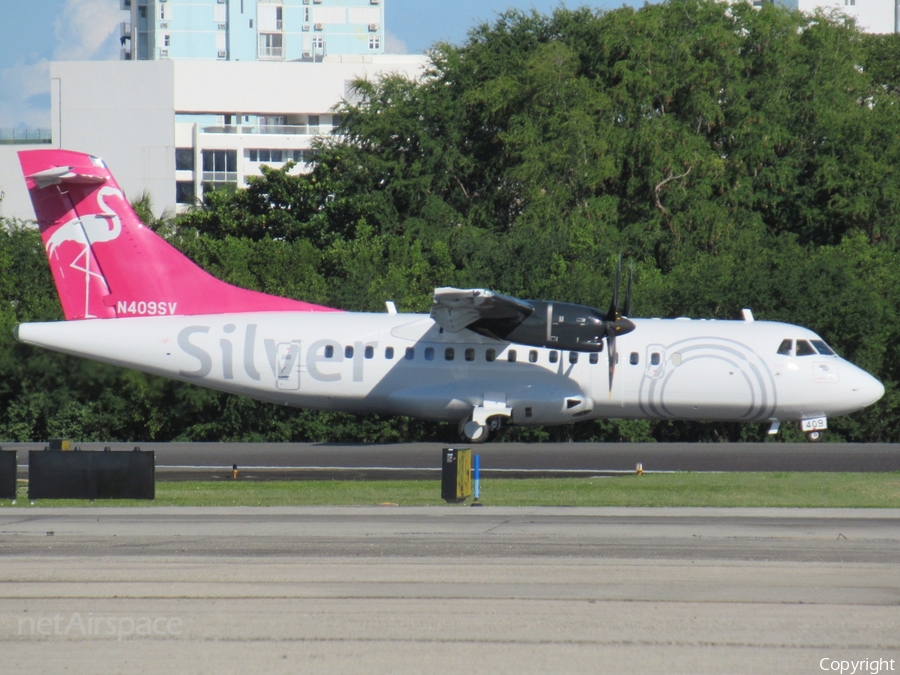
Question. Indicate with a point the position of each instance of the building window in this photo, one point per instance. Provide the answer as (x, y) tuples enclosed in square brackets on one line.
[(220, 166), (306, 156), (184, 159), (266, 155), (184, 192), (318, 42), (374, 42), (271, 46), (167, 42)]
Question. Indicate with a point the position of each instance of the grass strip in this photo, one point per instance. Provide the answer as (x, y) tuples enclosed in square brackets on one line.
[(803, 490)]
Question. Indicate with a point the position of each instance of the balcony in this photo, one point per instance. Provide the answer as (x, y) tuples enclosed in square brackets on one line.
[(276, 129), (24, 136), (271, 52)]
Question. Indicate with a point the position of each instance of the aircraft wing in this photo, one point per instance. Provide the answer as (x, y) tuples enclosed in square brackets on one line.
[(457, 308)]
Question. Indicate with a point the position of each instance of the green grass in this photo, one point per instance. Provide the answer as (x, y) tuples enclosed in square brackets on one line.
[(805, 490)]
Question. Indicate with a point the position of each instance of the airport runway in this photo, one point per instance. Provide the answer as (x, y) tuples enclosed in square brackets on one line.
[(448, 589), (179, 461)]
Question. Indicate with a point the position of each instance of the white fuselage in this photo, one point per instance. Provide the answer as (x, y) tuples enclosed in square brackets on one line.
[(404, 364)]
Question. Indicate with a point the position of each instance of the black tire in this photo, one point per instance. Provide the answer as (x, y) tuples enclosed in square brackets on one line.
[(815, 436), (464, 437)]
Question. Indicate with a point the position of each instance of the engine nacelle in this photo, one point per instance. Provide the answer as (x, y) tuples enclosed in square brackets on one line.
[(555, 325)]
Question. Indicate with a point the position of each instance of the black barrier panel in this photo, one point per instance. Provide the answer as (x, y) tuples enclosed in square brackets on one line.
[(91, 475), (456, 475), (8, 474)]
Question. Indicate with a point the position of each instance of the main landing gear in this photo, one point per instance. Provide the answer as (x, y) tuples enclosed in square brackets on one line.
[(471, 431)]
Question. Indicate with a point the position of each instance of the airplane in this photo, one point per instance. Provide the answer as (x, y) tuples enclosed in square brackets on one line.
[(480, 359)]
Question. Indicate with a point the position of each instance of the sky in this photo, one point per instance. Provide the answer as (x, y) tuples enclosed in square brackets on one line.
[(35, 32)]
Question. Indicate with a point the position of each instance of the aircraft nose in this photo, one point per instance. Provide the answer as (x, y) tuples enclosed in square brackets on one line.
[(866, 388)]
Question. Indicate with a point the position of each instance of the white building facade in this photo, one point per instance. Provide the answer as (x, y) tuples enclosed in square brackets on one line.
[(872, 16), (194, 124)]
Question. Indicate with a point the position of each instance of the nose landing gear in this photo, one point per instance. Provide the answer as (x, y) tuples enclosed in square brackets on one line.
[(814, 428)]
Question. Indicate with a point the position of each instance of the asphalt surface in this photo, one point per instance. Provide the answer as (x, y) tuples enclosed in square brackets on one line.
[(176, 461), (422, 590)]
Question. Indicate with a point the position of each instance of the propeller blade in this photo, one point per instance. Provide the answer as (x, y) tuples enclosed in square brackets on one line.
[(627, 310), (611, 352), (613, 312)]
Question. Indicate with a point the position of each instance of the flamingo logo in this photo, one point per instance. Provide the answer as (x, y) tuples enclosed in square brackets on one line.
[(88, 230)]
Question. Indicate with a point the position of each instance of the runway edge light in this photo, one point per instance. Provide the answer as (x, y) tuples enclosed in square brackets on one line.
[(476, 473)]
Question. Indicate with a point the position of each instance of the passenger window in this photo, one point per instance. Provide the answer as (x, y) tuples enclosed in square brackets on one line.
[(429, 353), (804, 348), (329, 351), (389, 353), (490, 354), (470, 354), (554, 356), (654, 359), (370, 351), (573, 357), (594, 358), (634, 359), (348, 352), (532, 356), (785, 347), (511, 356), (449, 354), (410, 353), (822, 348)]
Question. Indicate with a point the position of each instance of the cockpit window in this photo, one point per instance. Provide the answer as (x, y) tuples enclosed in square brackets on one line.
[(822, 348), (804, 348), (785, 348)]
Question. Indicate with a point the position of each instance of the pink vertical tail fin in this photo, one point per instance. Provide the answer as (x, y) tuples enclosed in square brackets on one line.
[(106, 263)]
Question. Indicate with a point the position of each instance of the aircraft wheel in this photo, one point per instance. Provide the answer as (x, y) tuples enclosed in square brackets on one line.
[(472, 432), (815, 436)]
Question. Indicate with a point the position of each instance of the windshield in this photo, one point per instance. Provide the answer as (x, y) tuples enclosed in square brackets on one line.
[(822, 348)]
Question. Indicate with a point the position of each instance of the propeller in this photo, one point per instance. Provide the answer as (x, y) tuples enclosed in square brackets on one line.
[(616, 324)]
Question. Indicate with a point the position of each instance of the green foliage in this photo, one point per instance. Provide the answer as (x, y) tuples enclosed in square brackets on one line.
[(740, 157)]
